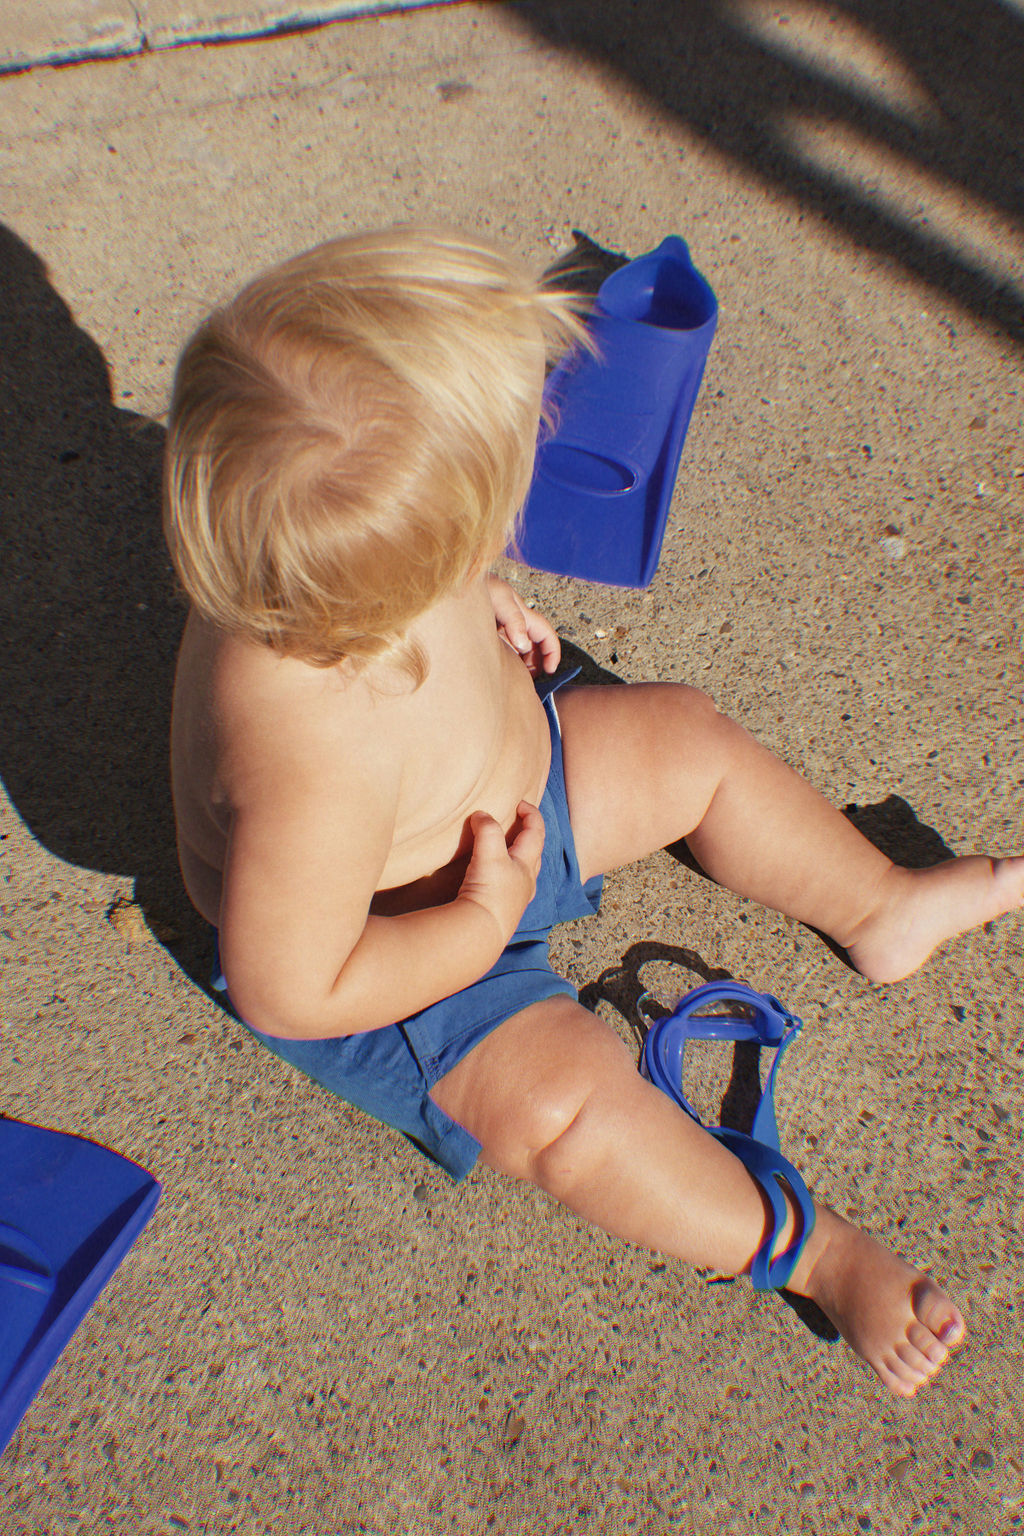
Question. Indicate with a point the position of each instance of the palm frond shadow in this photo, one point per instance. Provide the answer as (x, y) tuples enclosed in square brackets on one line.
[(770, 96)]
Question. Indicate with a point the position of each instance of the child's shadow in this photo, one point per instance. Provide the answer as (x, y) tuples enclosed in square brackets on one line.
[(91, 617), (892, 825)]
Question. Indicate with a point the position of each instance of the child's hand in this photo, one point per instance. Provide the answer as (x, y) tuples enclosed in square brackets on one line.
[(502, 873), (527, 631)]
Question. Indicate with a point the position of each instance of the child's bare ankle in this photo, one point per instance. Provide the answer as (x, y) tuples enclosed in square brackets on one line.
[(879, 912), (917, 909), (810, 1277)]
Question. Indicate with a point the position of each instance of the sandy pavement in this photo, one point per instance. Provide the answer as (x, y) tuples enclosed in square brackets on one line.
[(318, 1333)]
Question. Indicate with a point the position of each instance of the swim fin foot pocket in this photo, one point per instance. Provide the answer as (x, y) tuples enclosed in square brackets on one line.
[(604, 479)]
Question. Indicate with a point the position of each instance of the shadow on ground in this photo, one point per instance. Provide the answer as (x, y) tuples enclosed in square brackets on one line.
[(89, 611), (866, 112)]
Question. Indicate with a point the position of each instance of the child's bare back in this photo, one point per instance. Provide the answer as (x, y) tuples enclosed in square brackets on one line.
[(384, 809)]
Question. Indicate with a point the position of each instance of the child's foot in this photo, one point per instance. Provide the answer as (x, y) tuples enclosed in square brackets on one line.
[(919, 908), (896, 1318)]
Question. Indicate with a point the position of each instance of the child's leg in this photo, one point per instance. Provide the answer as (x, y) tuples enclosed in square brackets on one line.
[(648, 764), (554, 1097)]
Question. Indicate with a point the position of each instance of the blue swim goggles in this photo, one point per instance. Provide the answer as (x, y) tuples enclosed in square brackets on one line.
[(730, 1011)]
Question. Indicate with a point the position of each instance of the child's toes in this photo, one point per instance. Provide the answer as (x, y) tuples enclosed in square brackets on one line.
[(933, 1308), (931, 1348), (916, 1366), (900, 1378)]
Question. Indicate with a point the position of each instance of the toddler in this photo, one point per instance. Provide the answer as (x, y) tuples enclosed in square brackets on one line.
[(386, 795)]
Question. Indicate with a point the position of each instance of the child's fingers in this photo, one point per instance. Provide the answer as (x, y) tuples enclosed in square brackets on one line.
[(489, 841), (543, 639), (528, 843), (517, 635), (528, 632), (488, 846), (487, 834), (551, 650)]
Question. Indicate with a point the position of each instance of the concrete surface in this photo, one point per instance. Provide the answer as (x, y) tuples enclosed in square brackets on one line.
[(317, 1333), (69, 31)]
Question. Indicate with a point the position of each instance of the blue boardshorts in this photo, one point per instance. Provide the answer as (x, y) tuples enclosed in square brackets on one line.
[(389, 1072)]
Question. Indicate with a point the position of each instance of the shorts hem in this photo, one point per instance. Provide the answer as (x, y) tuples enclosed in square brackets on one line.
[(436, 1064)]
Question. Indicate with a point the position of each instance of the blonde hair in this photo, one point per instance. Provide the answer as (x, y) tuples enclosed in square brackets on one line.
[(353, 435)]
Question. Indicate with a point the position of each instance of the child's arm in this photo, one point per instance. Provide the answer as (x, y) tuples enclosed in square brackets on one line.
[(301, 957)]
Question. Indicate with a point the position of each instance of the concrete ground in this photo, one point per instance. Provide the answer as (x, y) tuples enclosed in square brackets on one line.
[(71, 31), (318, 1333)]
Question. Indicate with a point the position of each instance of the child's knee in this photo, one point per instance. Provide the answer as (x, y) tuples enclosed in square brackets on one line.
[(701, 709), (695, 719), (530, 1090), (595, 1077), (593, 1063)]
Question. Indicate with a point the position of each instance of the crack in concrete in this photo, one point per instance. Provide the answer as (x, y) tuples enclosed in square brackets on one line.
[(148, 39)]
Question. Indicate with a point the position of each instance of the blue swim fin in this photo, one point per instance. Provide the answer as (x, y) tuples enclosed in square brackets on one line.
[(603, 481), (731, 1011), (69, 1211)]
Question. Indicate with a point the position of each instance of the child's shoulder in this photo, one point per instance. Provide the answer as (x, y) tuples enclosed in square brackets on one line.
[(260, 707)]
